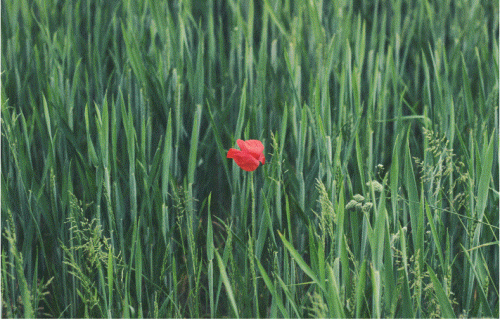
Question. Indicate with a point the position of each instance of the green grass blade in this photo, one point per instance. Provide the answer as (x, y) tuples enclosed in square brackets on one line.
[(482, 294), (220, 147), (227, 284), (210, 257), (289, 297), (360, 289), (302, 264), (484, 179), (407, 305), (272, 289), (444, 302), (411, 187), (18, 266), (435, 236), (336, 306), (194, 145), (268, 8), (110, 283)]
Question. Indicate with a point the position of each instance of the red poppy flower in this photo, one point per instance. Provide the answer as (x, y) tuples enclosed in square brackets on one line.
[(252, 151)]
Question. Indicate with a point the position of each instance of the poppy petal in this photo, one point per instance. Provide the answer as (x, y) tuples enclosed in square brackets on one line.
[(254, 147), (243, 159), (232, 152), (262, 158)]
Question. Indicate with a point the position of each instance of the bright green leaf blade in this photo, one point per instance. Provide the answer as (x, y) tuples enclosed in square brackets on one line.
[(302, 264), (272, 289), (227, 284), (444, 302)]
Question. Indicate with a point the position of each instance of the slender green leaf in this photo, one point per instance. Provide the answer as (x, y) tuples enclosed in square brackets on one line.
[(411, 187), (227, 284), (302, 264), (272, 289), (444, 302)]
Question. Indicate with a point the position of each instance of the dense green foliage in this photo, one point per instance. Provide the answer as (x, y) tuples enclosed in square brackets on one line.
[(379, 196)]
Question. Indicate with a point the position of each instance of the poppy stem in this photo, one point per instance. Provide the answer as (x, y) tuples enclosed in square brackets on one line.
[(252, 243), (254, 223)]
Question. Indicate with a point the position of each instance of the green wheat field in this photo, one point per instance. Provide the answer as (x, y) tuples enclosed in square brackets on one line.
[(379, 196)]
